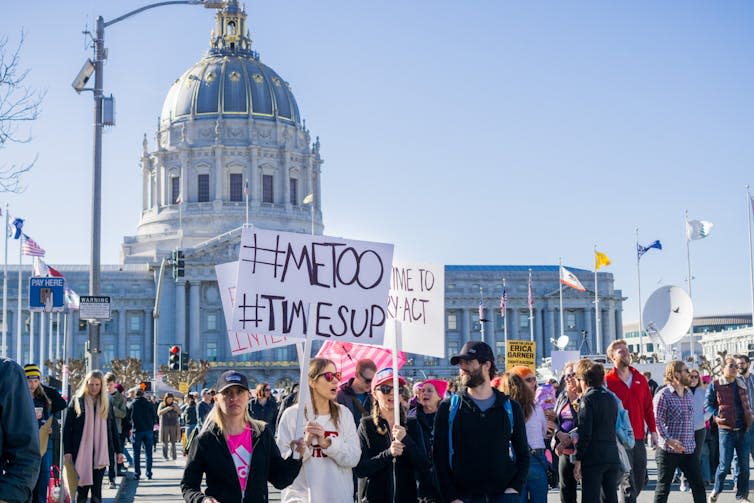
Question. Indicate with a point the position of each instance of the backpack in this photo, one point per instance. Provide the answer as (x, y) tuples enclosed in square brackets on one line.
[(455, 404)]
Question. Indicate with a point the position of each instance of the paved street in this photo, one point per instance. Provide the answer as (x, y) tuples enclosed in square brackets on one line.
[(164, 487)]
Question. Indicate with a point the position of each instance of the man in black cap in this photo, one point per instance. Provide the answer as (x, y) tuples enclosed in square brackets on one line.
[(485, 456)]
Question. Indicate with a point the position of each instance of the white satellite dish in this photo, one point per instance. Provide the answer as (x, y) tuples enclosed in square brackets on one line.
[(562, 342), (668, 313)]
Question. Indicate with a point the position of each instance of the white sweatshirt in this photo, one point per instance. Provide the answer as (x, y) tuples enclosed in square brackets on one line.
[(325, 475)]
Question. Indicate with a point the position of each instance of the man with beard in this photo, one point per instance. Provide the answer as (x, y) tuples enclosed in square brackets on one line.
[(633, 390), (484, 458), (674, 411), (743, 363)]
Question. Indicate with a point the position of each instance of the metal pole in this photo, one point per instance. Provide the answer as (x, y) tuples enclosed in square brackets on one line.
[(156, 316), (560, 289), (638, 278), (94, 270), (598, 335), (688, 260), (481, 313), (31, 337), (749, 209), (57, 336), (505, 320), (19, 312), (531, 311), (42, 340), (50, 345)]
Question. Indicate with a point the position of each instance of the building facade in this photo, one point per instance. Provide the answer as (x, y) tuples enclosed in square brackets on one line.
[(231, 148)]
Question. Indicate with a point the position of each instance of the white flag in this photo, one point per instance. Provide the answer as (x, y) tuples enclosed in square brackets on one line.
[(309, 199), (570, 279), (698, 229)]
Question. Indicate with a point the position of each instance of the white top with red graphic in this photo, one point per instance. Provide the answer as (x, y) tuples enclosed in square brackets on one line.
[(240, 450), (326, 473)]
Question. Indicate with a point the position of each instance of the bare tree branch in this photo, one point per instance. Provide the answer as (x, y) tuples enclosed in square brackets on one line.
[(19, 104)]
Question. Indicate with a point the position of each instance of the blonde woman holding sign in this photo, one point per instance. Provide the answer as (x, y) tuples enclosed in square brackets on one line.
[(332, 445)]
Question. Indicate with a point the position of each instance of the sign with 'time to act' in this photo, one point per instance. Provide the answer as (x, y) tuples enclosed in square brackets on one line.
[(293, 284)]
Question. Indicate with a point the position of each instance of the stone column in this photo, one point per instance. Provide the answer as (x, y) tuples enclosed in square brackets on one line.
[(146, 354), (550, 323), (619, 322), (249, 174), (285, 165), (145, 177), (179, 337), (158, 174), (515, 324), (219, 173), (466, 326), (611, 321), (539, 334), (195, 320), (588, 327), (121, 351)]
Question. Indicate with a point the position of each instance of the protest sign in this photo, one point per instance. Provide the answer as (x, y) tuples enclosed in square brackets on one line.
[(298, 284), (243, 342), (520, 353), (417, 302), (558, 359)]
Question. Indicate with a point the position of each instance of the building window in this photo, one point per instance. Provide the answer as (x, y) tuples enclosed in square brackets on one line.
[(570, 320), (175, 189), (650, 347), (108, 352), (453, 348), (212, 351), (202, 188), (134, 351), (452, 321), (267, 189), (294, 192), (212, 321), (134, 322), (500, 350), (430, 361), (236, 187), (523, 320)]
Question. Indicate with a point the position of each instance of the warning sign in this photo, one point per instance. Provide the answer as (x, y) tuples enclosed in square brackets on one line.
[(521, 353)]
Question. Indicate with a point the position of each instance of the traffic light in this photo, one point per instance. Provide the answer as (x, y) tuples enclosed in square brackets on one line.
[(184, 361), (751, 351), (179, 264), (174, 362)]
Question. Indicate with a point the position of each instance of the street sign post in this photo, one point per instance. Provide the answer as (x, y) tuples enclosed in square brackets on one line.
[(94, 307), (46, 294)]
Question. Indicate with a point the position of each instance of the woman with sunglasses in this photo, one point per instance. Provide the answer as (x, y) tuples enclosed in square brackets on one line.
[(391, 460), (223, 451), (332, 445), (698, 392), (516, 384), (566, 422)]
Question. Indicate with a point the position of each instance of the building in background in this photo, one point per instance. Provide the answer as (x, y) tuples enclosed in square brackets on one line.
[(230, 137)]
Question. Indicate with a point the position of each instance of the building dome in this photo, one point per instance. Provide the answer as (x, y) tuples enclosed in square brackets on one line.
[(230, 82)]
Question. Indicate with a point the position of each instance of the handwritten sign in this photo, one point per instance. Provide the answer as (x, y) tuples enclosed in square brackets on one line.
[(417, 301), (520, 353), (243, 342), (299, 284)]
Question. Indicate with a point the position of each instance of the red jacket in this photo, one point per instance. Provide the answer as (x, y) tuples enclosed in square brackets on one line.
[(637, 400)]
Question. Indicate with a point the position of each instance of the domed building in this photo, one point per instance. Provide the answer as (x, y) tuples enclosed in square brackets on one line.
[(230, 146)]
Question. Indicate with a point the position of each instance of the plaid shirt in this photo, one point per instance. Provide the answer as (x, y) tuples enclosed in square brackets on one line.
[(675, 418)]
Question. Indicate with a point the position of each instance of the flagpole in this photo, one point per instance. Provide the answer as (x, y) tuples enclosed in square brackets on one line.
[(42, 340), (638, 278), (598, 335), (481, 312), (57, 337), (531, 311), (560, 288), (688, 260), (50, 345), (505, 320), (5, 287), (19, 312), (31, 336), (749, 209), (246, 191)]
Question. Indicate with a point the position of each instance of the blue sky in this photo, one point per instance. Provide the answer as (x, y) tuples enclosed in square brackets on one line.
[(475, 132)]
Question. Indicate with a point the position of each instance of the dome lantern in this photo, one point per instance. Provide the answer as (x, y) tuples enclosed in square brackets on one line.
[(230, 36)]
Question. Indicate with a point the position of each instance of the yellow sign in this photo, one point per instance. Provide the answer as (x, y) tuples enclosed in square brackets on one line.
[(183, 387), (521, 353)]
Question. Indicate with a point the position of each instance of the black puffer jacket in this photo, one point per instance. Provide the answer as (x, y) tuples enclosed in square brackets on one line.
[(209, 456)]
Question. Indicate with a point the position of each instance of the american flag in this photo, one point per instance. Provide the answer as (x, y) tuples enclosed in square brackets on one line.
[(246, 189), (503, 302), (346, 354), (531, 297), (481, 312), (30, 248)]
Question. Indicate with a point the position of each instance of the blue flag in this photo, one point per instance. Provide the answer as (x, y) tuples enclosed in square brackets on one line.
[(14, 229), (641, 250)]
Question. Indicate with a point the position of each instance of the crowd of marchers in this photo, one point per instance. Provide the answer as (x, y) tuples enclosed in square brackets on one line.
[(488, 436)]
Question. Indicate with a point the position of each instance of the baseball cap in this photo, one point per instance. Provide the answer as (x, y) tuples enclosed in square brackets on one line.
[(385, 376), (231, 378), (474, 350)]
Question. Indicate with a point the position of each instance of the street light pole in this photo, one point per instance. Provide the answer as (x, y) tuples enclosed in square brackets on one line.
[(100, 54)]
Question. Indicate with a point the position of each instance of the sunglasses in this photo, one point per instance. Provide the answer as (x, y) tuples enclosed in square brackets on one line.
[(368, 381), (267, 390), (385, 389), (694, 376), (329, 376), (570, 375)]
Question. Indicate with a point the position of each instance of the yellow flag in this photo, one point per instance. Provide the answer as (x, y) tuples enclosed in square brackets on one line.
[(600, 259)]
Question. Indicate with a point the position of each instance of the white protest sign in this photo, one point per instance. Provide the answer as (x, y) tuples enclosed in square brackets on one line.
[(417, 302), (300, 284), (243, 342)]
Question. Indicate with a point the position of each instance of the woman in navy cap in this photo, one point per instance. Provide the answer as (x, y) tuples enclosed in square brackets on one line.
[(236, 453)]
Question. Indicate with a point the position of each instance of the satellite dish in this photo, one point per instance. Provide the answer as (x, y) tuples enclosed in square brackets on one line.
[(668, 313), (562, 342)]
